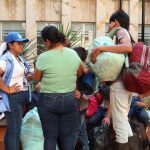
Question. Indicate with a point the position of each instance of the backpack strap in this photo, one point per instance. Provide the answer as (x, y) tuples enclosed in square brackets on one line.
[(143, 56), (126, 61), (27, 71), (27, 67), (113, 32), (148, 58)]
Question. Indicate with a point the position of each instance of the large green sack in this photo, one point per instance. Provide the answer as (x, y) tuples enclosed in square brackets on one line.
[(31, 131), (108, 65)]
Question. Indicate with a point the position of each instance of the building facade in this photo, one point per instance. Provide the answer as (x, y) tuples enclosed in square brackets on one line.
[(29, 16)]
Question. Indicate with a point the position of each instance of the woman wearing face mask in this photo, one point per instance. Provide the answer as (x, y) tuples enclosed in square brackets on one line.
[(14, 88), (57, 70), (120, 98)]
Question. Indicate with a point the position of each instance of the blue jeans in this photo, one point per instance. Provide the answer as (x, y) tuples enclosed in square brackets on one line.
[(81, 133), (138, 112), (83, 137), (59, 118), (98, 116), (14, 119), (143, 117)]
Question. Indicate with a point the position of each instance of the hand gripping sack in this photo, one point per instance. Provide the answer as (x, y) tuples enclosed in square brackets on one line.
[(108, 65), (136, 75), (31, 131)]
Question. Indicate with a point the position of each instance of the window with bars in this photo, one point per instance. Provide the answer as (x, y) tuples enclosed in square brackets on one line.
[(10, 26), (146, 34), (88, 32), (40, 26)]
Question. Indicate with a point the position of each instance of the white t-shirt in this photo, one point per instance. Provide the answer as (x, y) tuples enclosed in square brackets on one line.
[(18, 74)]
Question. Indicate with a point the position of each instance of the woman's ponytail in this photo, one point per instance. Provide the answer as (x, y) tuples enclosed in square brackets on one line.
[(61, 38)]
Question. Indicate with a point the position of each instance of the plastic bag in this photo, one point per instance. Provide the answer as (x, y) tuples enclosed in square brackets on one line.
[(100, 138), (108, 65), (31, 131)]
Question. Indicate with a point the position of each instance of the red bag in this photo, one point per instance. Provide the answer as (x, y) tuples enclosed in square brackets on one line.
[(94, 101), (136, 77)]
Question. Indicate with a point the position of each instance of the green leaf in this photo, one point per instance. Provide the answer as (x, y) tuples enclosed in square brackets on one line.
[(75, 37)]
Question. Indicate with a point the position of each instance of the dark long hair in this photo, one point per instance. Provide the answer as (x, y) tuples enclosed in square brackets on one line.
[(123, 19), (53, 35)]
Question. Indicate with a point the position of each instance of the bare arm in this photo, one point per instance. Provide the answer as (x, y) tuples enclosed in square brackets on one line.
[(37, 75), (108, 114), (8, 89), (121, 48), (80, 69), (142, 104), (106, 120)]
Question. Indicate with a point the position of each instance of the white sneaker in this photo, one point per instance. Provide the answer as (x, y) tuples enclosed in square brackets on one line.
[(2, 115)]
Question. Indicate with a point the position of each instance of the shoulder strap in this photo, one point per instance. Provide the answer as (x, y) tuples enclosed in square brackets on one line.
[(27, 71), (113, 32), (27, 67)]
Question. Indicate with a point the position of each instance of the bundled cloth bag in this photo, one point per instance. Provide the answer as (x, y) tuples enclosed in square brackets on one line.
[(108, 65), (31, 131)]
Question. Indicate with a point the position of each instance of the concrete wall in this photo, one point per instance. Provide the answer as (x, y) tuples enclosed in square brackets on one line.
[(12, 10), (83, 10), (66, 11)]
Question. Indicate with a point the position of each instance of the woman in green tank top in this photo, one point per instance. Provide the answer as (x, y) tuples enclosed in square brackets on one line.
[(57, 70)]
